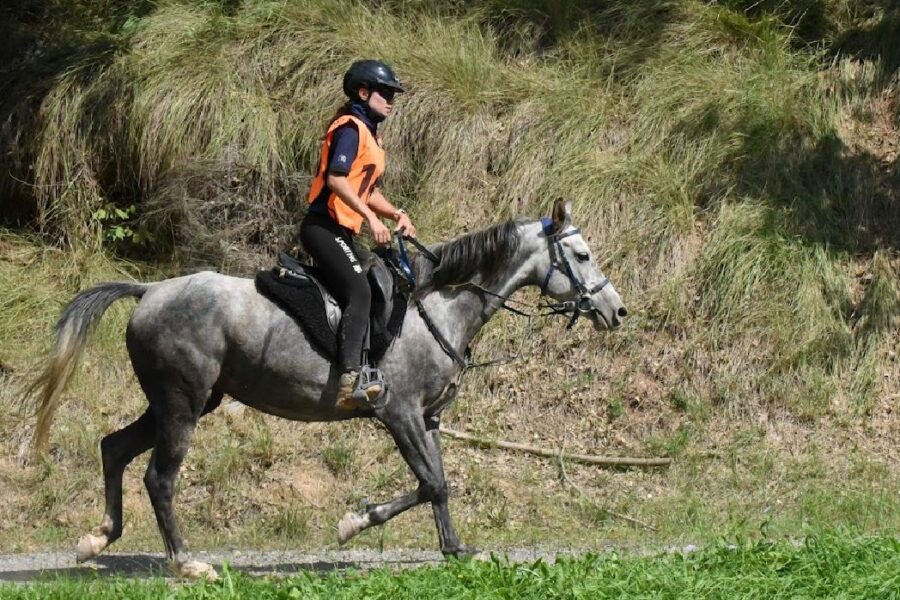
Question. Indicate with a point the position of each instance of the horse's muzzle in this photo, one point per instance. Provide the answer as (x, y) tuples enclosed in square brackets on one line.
[(609, 322), (620, 314)]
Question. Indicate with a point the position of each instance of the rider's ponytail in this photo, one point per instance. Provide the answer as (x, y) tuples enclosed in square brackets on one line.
[(343, 109)]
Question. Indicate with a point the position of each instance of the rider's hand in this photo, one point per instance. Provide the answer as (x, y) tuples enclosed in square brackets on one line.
[(381, 233), (405, 226)]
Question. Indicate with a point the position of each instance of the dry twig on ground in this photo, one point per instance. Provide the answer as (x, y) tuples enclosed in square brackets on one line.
[(605, 461)]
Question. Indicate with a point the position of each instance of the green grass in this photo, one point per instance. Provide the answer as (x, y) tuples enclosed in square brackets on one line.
[(824, 566)]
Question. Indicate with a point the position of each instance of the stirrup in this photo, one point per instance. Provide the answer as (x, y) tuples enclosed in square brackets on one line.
[(371, 388)]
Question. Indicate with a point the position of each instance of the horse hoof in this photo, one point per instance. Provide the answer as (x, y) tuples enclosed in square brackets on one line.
[(90, 546), (194, 569), (349, 525), (482, 556), (467, 552)]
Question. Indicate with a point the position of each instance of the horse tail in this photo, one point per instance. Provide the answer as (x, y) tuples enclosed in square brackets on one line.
[(72, 329)]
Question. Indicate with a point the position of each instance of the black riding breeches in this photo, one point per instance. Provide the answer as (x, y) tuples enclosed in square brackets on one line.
[(335, 252)]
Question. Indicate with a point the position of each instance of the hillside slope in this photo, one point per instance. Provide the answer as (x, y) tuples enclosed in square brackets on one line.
[(735, 164)]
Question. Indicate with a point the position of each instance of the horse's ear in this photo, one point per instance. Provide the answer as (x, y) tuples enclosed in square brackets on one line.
[(562, 214)]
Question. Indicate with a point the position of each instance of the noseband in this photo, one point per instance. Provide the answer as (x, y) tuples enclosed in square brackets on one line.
[(559, 262)]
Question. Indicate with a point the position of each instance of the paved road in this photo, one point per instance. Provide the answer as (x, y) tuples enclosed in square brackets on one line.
[(29, 567)]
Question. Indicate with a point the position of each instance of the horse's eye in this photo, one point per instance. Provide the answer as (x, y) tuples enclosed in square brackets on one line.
[(582, 256)]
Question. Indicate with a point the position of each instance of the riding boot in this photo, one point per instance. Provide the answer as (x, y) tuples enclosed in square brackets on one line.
[(350, 395)]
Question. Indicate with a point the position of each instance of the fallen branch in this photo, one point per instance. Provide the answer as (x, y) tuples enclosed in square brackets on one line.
[(582, 458)]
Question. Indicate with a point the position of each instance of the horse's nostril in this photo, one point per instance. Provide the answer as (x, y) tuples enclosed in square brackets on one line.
[(622, 312)]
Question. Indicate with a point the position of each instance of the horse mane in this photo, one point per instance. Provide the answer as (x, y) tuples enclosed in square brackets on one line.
[(479, 254)]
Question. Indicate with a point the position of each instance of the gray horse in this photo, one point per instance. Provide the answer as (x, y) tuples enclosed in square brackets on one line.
[(194, 339)]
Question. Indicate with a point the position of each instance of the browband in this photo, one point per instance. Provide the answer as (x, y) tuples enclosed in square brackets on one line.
[(550, 229)]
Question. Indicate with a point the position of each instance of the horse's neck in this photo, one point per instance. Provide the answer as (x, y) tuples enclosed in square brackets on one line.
[(463, 310)]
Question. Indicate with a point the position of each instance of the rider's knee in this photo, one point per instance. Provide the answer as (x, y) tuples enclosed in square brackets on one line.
[(356, 299), (361, 294)]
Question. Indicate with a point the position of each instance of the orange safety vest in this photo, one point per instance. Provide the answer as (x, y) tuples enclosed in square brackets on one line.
[(364, 173)]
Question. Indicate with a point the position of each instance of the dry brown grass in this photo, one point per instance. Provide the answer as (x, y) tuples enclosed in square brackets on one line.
[(253, 480)]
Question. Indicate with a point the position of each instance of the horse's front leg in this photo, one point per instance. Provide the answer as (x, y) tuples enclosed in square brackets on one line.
[(440, 505), (422, 452)]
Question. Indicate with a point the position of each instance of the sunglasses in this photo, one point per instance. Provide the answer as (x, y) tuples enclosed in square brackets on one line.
[(386, 92)]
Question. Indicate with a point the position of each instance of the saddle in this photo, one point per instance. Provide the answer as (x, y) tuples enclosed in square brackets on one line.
[(299, 291)]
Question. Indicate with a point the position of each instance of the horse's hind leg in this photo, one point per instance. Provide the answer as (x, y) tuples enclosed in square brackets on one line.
[(118, 450), (176, 418)]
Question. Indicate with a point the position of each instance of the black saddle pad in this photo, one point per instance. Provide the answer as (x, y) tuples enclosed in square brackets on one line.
[(302, 300)]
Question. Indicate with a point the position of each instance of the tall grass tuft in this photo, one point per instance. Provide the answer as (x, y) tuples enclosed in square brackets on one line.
[(698, 140)]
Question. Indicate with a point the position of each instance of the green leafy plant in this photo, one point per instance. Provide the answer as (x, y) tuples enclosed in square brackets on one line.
[(118, 224)]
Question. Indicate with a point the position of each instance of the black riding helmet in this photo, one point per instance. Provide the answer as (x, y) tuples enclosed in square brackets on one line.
[(369, 74)]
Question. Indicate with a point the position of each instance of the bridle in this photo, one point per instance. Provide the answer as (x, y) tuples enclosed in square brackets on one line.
[(558, 263)]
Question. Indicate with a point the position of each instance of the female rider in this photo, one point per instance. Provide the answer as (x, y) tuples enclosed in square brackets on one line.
[(345, 194)]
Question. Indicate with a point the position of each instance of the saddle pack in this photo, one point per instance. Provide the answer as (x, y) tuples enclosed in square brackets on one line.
[(300, 292)]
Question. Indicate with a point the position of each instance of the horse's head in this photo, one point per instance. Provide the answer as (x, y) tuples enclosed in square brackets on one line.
[(569, 273)]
